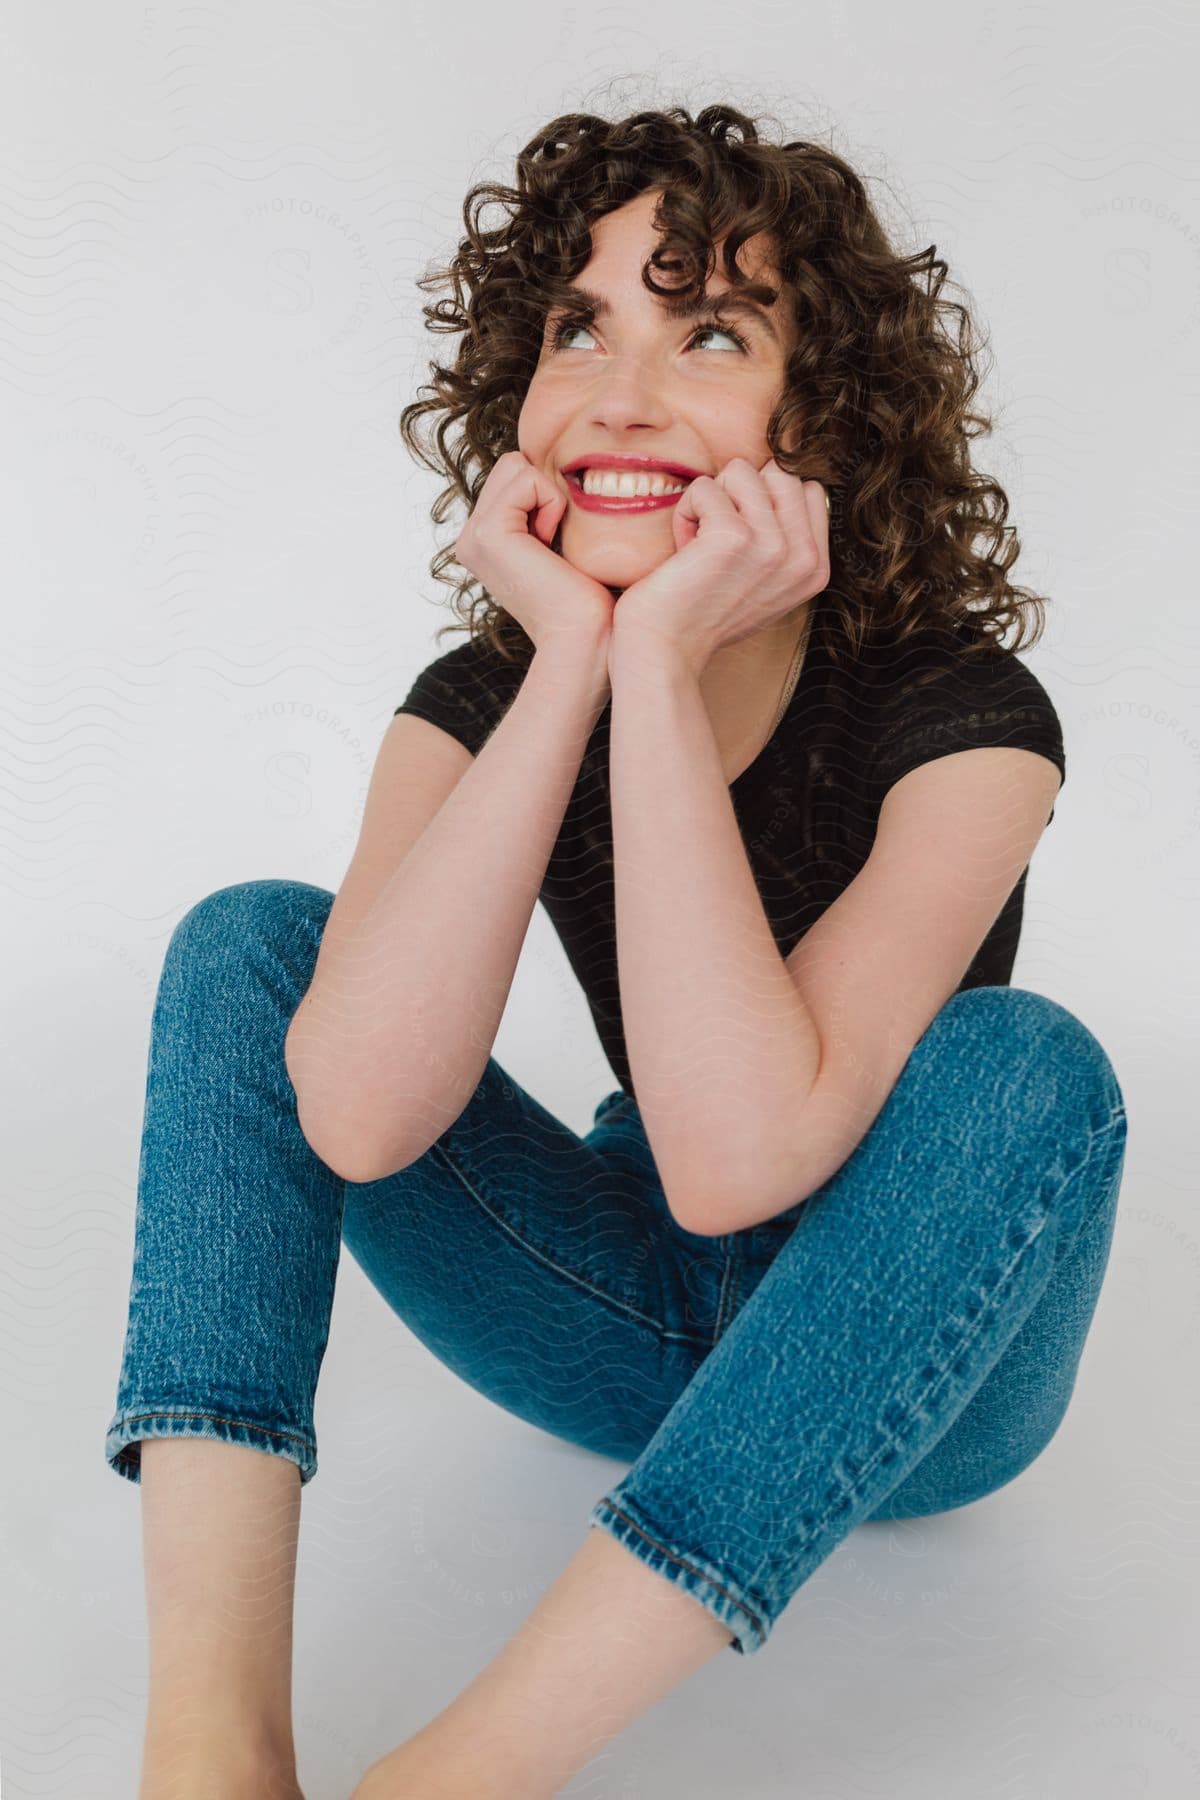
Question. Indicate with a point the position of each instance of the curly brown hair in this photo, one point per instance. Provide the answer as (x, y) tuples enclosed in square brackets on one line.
[(880, 387)]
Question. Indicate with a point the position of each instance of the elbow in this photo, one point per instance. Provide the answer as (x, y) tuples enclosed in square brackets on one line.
[(706, 1178), (359, 1169), (709, 1223), (723, 1217), (352, 1155), (775, 1187), (697, 1209), (342, 1124), (348, 1162), (349, 1144), (353, 1149)]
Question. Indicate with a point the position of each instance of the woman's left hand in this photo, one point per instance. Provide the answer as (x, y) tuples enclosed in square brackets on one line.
[(750, 546)]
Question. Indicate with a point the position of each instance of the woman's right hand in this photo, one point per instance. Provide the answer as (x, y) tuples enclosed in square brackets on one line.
[(556, 604)]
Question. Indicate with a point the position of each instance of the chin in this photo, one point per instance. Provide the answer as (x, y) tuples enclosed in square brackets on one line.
[(616, 566)]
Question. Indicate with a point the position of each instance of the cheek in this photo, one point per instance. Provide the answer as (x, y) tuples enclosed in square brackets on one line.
[(534, 426)]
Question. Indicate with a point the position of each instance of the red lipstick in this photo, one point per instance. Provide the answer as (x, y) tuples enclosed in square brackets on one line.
[(624, 503)]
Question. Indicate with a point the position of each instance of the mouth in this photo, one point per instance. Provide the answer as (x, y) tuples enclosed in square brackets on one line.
[(599, 488)]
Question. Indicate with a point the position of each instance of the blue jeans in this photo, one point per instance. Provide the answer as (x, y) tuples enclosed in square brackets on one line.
[(904, 1341)]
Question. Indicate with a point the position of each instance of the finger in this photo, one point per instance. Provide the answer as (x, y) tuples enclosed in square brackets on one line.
[(820, 510), (772, 468), (551, 506), (756, 501), (804, 505), (703, 498), (548, 518), (787, 490), (535, 501)]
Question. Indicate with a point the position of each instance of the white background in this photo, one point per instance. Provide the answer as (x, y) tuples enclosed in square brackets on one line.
[(215, 588)]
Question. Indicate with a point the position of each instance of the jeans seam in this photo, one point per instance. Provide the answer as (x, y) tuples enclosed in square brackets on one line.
[(725, 1305), (217, 1419), (849, 1493), (662, 1331), (1101, 1135)]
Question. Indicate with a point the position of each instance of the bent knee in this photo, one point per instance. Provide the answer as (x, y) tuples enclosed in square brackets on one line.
[(254, 907), (1000, 1033)]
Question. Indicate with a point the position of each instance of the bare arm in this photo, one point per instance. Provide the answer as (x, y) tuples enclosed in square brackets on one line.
[(390, 1042), (721, 1044)]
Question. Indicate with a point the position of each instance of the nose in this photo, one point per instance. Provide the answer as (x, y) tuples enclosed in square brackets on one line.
[(626, 394)]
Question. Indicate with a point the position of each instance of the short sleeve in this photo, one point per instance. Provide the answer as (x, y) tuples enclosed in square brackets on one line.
[(466, 692), (936, 704)]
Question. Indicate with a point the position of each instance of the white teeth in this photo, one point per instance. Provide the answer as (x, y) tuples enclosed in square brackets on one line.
[(616, 483)]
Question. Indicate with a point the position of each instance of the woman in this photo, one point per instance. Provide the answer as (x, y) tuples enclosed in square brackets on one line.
[(831, 1250)]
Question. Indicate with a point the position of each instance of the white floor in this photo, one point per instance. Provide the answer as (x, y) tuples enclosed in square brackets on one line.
[(1034, 1646)]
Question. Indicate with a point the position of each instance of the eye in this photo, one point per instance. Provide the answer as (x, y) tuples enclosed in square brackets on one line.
[(559, 330), (714, 325), (562, 327)]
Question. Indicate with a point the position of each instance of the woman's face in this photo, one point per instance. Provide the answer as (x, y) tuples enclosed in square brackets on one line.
[(637, 382)]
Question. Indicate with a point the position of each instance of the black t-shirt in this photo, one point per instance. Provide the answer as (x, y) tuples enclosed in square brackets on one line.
[(807, 806)]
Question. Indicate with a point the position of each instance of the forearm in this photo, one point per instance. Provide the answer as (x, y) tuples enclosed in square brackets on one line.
[(401, 1024), (722, 1048)]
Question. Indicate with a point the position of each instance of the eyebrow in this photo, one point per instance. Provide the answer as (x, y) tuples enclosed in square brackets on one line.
[(598, 307)]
